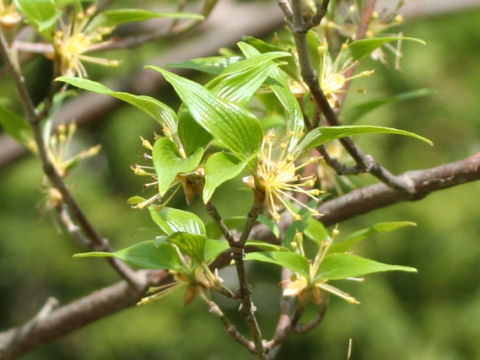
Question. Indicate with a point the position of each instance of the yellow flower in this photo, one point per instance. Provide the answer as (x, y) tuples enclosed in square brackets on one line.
[(72, 41), (9, 15), (279, 178)]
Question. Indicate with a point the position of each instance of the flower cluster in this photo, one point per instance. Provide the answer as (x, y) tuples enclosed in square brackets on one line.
[(74, 40), (278, 176)]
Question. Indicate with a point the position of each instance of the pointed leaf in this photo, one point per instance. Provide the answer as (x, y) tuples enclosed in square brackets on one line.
[(356, 112), (213, 65), (265, 246), (41, 13), (213, 248), (191, 134), (151, 106), (192, 245), (112, 18), (16, 126), (171, 220), (293, 261), (168, 163), (219, 168), (281, 89), (234, 127), (341, 266), (316, 231), (360, 235), (144, 255), (364, 47), (321, 135)]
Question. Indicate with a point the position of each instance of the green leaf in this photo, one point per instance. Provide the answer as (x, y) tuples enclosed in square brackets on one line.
[(341, 266), (191, 134), (356, 112), (144, 255), (151, 106), (281, 89), (111, 18), (360, 235), (364, 47), (219, 168), (294, 261), (134, 200), (265, 246), (213, 65), (168, 163), (171, 220), (316, 231), (41, 13), (234, 127), (321, 135), (213, 248), (272, 225), (192, 245), (16, 126)]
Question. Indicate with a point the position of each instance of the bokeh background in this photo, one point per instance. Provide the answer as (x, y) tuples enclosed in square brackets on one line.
[(434, 314)]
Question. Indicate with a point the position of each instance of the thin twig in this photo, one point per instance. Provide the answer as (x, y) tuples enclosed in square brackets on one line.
[(366, 162), (230, 327), (304, 328), (34, 118)]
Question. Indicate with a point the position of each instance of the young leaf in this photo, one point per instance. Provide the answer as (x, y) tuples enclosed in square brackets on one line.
[(213, 248), (234, 127), (151, 106), (219, 168), (213, 65), (192, 245), (316, 231), (16, 126), (364, 47), (294, 261), (41, 13), (281, 89), (171, 220), (112, 18), (144, 255), (191, 134), (360, 235), (356, 112), (265, 246), (321, 135), (341, 266), (168, 163)]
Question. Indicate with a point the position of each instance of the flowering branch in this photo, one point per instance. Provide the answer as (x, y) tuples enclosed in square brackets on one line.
[(34, 118)]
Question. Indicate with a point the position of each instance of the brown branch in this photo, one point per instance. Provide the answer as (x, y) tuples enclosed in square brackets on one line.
[(304, 328), (74, 315), (424, 182)]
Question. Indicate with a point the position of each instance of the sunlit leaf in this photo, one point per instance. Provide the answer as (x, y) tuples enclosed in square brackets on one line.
[(192, 245), (213, 65), (316, 231), (41, 13), (144, 255), (234, 127), (265, 246), (168, 163), (321, 135), (213, 248), (151, 106), (358, 236), (293, 261), (219, 168), (111, 18), (341, 266), (171, 220)]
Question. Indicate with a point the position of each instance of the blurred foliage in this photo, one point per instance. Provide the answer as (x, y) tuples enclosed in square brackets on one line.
[(431, 315)]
